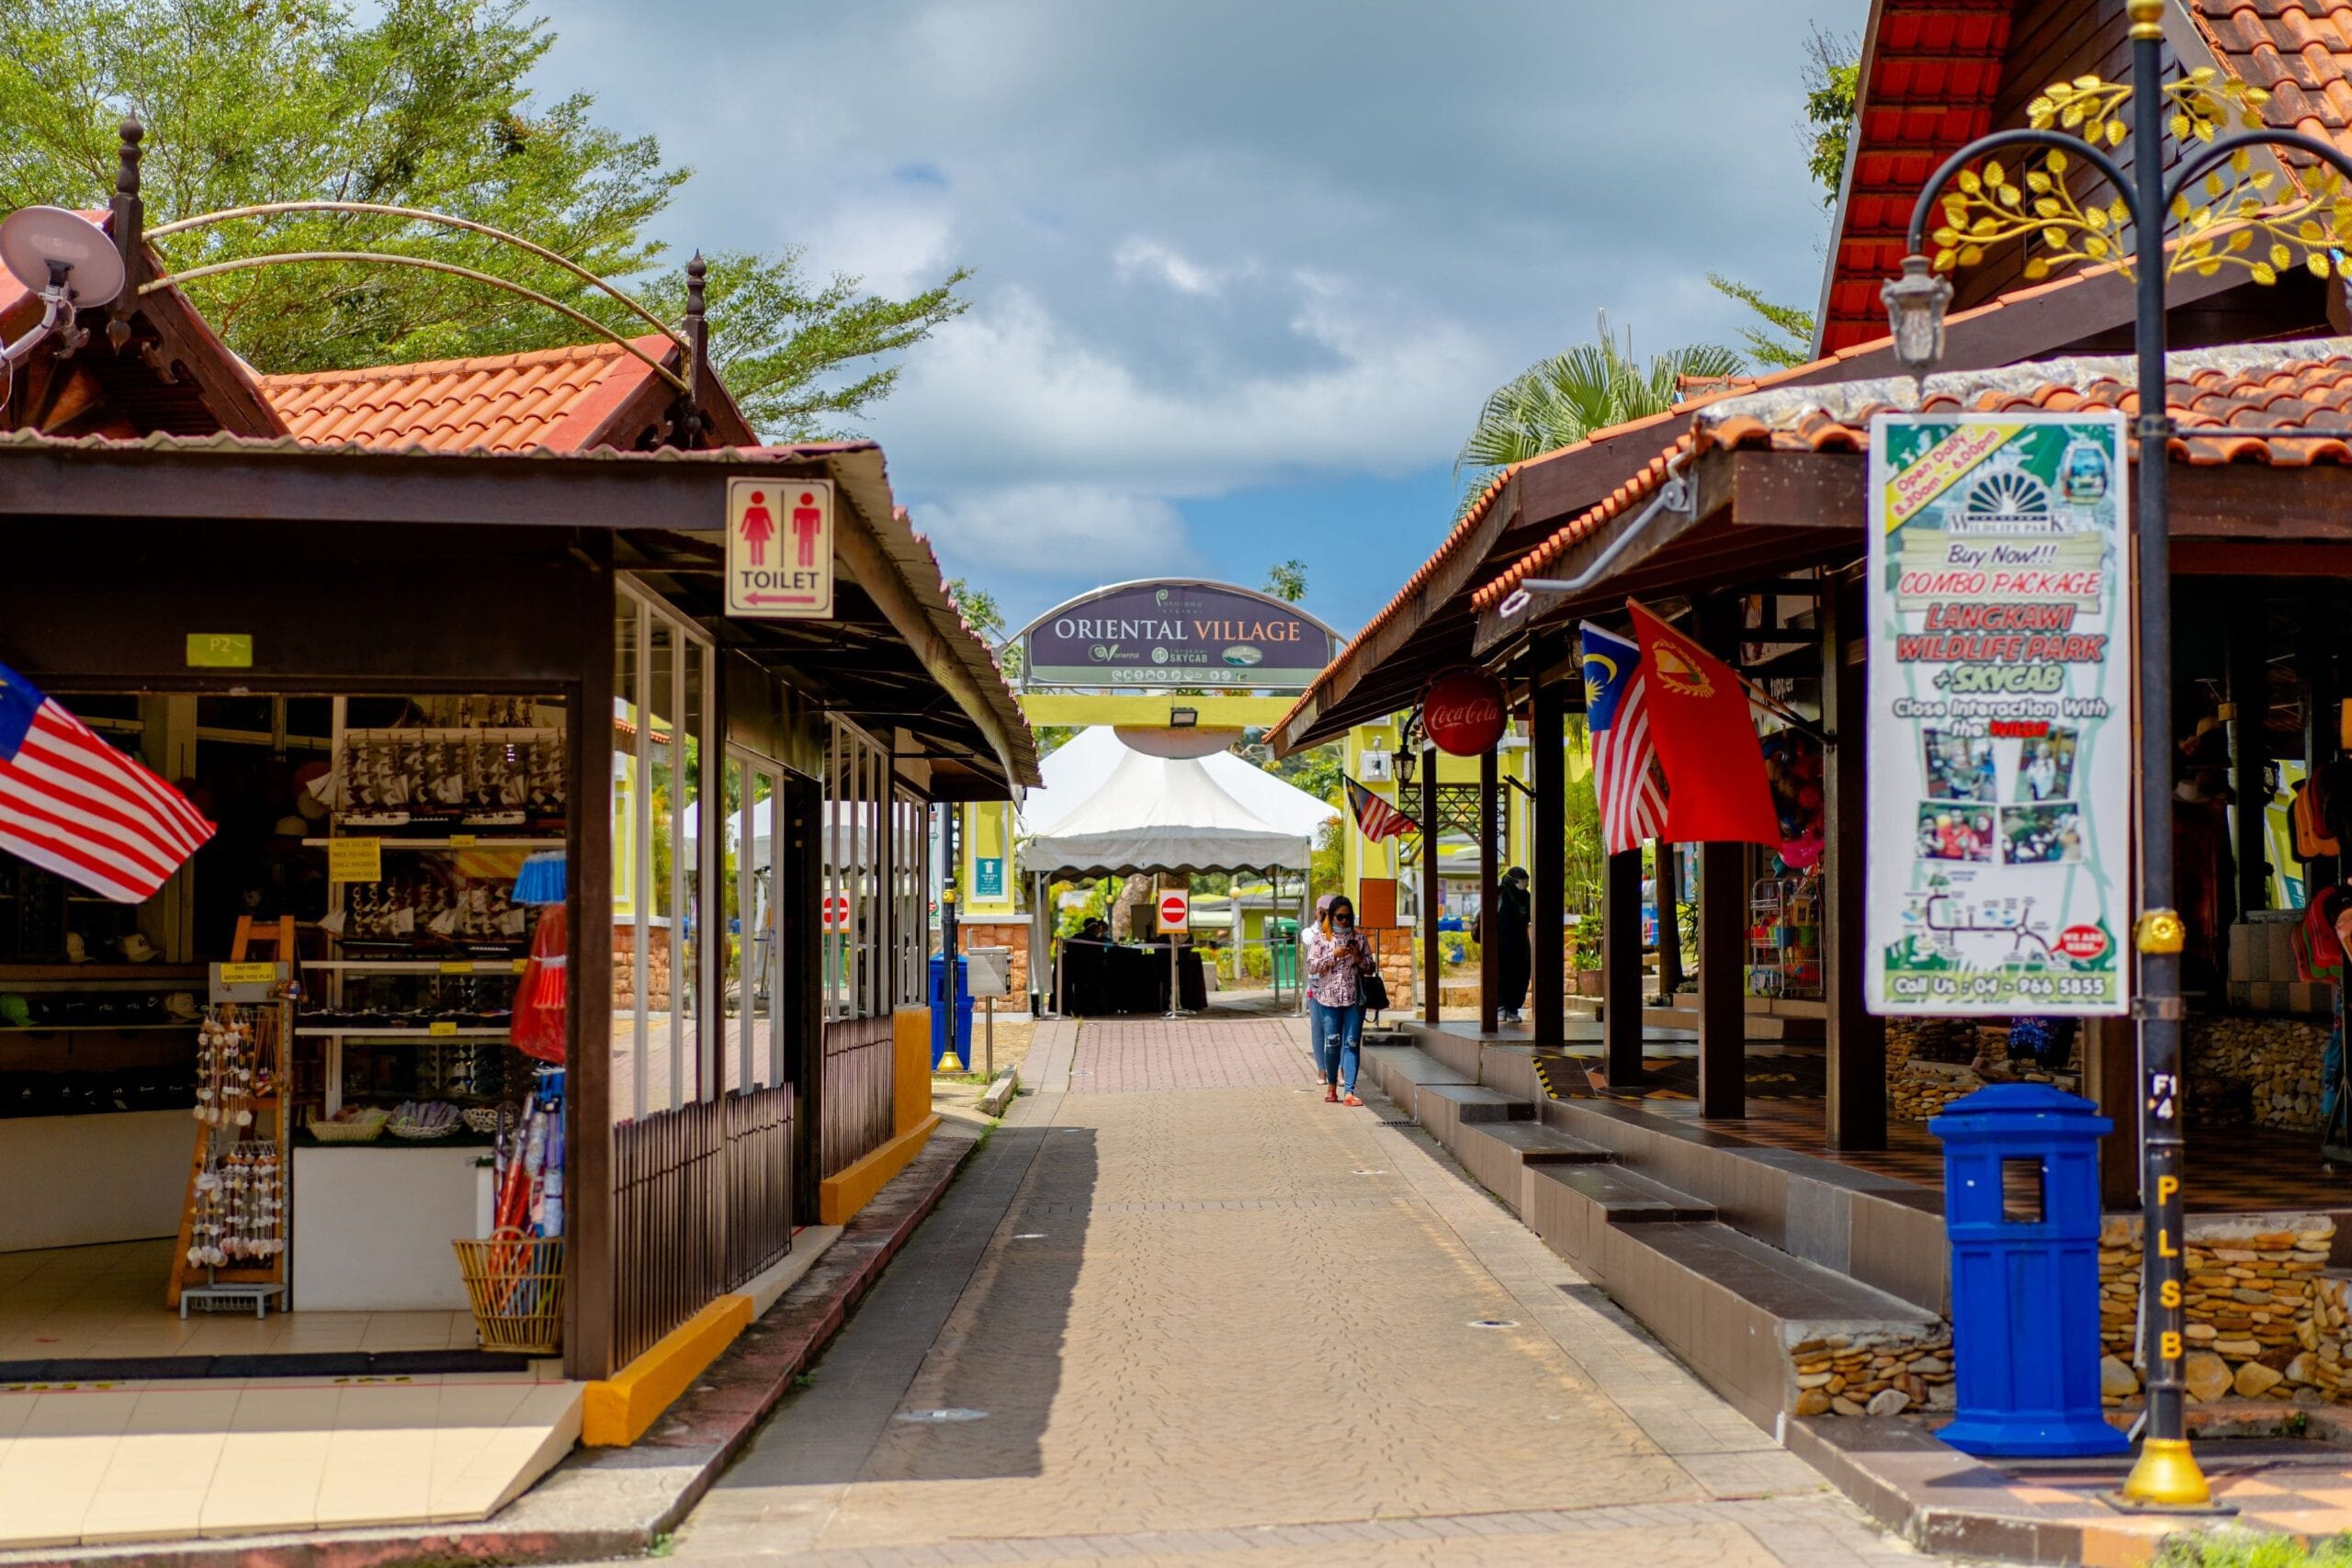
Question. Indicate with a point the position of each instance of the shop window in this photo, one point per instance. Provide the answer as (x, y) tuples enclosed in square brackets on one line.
[(860, 913), (663, 694), (752, 968)]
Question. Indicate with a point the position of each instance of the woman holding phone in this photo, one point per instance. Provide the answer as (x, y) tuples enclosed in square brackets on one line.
[(1336, 957)]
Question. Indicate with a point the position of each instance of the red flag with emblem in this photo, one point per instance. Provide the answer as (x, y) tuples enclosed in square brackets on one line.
[(1715, 784)]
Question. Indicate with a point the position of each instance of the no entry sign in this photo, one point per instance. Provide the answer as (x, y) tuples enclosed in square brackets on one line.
[(836, 911), (1175, 912)]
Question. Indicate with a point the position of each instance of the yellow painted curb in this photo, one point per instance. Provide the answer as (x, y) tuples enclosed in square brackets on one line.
[(839, 1197), (622, 1408)]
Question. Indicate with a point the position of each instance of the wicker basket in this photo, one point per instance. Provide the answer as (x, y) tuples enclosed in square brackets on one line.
[(328, 1131), (515, 1283)]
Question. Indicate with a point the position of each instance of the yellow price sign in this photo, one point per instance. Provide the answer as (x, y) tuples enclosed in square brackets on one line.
[(248, 973), (463, 840), (356, 860), (456, 966), (521, 965), (441, 1026)]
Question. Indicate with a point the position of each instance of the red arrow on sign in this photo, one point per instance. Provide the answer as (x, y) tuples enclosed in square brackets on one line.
[(779, 598)]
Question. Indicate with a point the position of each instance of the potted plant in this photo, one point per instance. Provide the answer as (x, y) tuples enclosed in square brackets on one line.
[(1584, 955)]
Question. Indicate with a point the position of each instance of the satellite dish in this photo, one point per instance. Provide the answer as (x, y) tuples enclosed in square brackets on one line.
[(34, 239)]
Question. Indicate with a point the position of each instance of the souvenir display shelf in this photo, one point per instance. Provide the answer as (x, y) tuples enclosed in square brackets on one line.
[(479, 774)]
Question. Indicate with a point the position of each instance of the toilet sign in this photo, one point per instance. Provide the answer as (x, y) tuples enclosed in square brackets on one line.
[(1175, 912), (780, 548)]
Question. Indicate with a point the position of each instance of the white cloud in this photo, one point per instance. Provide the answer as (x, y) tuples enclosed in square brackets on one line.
[(1010, 392), (1057, 530), (1150, 258)]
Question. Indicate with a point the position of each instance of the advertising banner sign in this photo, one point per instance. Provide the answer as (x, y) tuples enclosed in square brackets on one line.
[(1172, 634), (2001, 676)]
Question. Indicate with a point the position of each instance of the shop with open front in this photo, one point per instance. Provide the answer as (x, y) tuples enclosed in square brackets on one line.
[(545, 900)]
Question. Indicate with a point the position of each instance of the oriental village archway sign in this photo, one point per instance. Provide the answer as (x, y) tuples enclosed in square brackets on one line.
[(1172, 634)]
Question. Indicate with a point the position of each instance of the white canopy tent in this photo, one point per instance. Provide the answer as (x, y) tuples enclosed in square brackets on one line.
[(1162, 814), (1076, 771), (1106, 810)]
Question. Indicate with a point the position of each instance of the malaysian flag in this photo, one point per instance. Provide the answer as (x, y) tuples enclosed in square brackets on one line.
[(1624, 758), (1375, 819), (73, 805)]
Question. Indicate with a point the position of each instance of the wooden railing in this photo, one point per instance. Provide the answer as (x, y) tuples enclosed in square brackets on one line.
[(857, 1110), (703, 1204)]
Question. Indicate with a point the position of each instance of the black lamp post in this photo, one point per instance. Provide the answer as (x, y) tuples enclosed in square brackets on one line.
[(2166, 1475)]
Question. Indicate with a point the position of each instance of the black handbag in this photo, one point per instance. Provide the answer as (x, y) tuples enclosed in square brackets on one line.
[(1372, 991)]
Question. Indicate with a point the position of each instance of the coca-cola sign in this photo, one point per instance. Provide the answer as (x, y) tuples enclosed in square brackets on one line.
[(1463, 712)]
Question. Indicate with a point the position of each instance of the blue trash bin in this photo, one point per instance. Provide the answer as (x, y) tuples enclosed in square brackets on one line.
[(939, 1039), (2022, 1209)]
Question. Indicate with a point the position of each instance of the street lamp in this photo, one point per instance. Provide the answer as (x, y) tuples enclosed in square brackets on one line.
[(2236, 217)]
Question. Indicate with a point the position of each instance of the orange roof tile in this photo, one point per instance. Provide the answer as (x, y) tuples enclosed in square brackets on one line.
[(2299, 51), (2293, 402), (555, 399)]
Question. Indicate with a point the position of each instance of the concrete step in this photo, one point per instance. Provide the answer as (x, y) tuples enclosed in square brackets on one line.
[(1445, 1108), (1398, 1071), (1732, 1308), (1593, 1195), (1501, 1154)]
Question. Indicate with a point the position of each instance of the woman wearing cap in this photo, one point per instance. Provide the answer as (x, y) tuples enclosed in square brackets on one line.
[(1336, 957)]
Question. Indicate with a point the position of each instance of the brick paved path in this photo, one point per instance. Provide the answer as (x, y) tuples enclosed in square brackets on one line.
[(1180, 1312)]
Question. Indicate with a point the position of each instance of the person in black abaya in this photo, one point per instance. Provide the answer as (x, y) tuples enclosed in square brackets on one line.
[(1509, 927)]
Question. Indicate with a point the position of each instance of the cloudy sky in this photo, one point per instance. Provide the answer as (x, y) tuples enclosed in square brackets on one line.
[(1243, 272)]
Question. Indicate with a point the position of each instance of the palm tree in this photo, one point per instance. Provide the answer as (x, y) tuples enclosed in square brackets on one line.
[(1558, 401)]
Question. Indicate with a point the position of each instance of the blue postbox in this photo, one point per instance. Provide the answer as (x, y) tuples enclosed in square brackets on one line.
[(945, 1037), (2022, 1209)]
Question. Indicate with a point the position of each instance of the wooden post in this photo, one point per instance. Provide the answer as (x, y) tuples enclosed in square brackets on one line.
[(1722, 979), (1668, 880), (2110, 1063), (588, 1251), (1722, 922), (801, 897), (1621, 969), (2315, 672), (1433, 956), (2249, 669), (1490, 874), (1857, 1038), (1548, 961)]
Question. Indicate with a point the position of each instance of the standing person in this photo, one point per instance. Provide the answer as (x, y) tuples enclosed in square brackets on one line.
[(1318, 1020), (1336, 957), (1509, 926)]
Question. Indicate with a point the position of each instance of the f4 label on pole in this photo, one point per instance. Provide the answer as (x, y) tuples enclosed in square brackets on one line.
[(780, 550)]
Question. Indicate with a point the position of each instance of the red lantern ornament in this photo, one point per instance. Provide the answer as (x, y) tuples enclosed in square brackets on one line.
[(1462, 711)]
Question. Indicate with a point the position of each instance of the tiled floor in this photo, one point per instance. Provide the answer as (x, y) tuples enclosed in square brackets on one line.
[(73, 1303), (90, 1463)]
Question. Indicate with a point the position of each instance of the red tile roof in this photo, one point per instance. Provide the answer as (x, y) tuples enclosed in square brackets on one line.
[(2299, 51), (2292, 402), (555, 399), (1935, 68)]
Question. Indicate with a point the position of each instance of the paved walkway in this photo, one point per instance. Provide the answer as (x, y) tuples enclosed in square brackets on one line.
[(1179, 1311)]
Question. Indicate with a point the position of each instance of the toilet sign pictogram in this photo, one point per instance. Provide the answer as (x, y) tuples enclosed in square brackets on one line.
[(780, 548), (1175, 912)]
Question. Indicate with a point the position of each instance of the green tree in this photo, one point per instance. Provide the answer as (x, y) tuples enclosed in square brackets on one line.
[(1833, 79), (420, 103), (1786, 337), (1558, 401), (1287, 580), (978, 607)]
